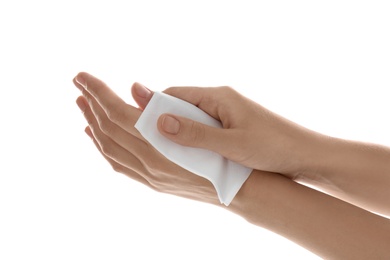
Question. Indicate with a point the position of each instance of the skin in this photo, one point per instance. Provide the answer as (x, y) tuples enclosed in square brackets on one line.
[(353, 171), (280, 152)]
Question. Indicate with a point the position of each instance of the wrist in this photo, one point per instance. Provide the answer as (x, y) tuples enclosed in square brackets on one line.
[(317, 153), (308, 151), (258, 196)]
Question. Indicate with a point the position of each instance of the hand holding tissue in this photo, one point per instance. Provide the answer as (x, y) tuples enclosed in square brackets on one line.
[(226, 176)]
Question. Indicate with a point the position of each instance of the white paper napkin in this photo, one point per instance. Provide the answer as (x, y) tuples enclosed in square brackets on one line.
[(226, 176)]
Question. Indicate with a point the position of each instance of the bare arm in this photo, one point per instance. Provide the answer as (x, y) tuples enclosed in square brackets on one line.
[(353, 171), (327, 226), (258, 138)]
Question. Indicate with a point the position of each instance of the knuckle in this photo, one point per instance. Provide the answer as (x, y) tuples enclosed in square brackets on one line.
[(112, 114), (227, 90), (151, 165), (156, 187), (158, 184), (115, 115), (170, 90), (107, 150), (197, 133), (106, 127), (94, 130), (147, 162), (117, 167)]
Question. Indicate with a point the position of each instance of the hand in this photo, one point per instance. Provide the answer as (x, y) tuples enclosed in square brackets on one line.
[(111, 126), (353, 171), (251, 135)]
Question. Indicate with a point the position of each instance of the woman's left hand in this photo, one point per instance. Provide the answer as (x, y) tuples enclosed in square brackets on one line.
[(111, 126)]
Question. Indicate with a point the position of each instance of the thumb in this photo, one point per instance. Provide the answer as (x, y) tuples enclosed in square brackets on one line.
[(187, 132)]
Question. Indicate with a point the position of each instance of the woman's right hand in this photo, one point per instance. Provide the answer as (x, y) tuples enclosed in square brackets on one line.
[(252, 135)]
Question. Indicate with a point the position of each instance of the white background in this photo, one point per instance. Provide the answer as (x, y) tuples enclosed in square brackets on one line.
[(323, 64)]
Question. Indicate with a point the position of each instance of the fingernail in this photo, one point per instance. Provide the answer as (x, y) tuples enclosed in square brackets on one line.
[(142, 91), (170, 125), (80, 80)]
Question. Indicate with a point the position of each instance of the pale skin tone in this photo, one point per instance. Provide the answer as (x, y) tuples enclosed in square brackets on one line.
[(282, 154)]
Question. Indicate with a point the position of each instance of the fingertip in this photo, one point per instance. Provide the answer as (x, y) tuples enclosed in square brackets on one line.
[(169, 124), (80, 87), (88, 131), (82, 103), (81, 78), (141, 94), (141, 91)]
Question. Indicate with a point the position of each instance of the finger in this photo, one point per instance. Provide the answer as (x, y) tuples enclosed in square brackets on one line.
[(115, 108), (135, 144), (116, 166), (110, 148), (141, 94), (100, 113), (211, 100), (187, 132)]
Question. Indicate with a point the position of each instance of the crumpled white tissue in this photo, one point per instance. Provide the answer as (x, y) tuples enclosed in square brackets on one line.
[(226, 176)]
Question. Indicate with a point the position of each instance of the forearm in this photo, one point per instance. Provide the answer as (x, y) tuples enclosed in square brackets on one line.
[(324, 225), (353, 171)]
